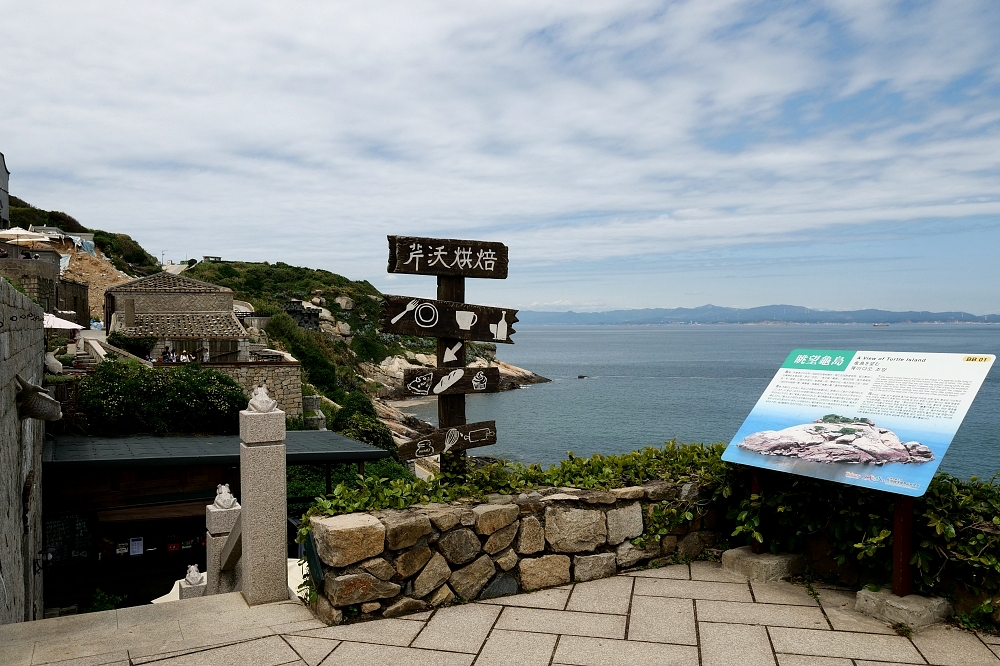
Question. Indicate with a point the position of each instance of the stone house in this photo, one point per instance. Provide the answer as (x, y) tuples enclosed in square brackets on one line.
[(182, 313), (41, 282)]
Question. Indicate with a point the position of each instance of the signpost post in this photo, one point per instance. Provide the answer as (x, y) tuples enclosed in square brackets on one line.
[(453, 322), (880, 420)]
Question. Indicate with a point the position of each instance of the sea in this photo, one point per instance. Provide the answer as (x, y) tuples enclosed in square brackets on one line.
[(618, 388)]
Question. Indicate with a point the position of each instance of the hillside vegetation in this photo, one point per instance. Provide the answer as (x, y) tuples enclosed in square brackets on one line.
[(125, 254)]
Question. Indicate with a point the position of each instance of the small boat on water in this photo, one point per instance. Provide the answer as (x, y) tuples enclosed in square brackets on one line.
[(880, 325)]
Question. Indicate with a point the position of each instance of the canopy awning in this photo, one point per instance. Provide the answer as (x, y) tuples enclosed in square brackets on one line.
[(52, 321)]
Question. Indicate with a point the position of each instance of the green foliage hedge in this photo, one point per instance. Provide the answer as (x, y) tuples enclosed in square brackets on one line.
[(139, 346), (124, 397)]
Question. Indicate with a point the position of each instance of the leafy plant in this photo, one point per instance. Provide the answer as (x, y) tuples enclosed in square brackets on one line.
[(139, 346)]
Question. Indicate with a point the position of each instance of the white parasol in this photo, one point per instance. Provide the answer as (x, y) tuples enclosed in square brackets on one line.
[(52, 321)]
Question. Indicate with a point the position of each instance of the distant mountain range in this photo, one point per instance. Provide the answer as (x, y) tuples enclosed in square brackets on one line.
[(767, 314)]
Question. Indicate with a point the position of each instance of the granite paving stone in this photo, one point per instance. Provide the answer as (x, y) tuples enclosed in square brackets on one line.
[(692, 589), (458, 628), (772, 615), (782, 592), (270, 651), (713, 571), (844, 644), (606, 595), (363, 654), (662, 620), (583, 651), (554, 599), (562, 622), (839, 608), (989, 639), (674, 571), (945, 646), (865, 662), (731, 644), (311, 650), (528, 649), (17, 654), (383, 632), (800, 660)]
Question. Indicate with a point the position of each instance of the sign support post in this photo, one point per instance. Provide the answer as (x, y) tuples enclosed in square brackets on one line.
[(451, 408), (902, 546)]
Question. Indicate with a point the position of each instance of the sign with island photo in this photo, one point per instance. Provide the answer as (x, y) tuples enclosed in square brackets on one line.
[(881, 420)]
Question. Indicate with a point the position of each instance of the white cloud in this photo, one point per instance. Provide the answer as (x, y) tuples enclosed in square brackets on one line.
[(304, 132)]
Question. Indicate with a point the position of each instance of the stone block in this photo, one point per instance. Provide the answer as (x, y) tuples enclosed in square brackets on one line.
[(405, 606), (628, 554), (492, 517), (629, 493), (324, 610), (444, 518), (503, 585), (434, 574), (570, 530), (442, 595), (763, 567), (914, 611), (545, 571), (403, 528), (459, 546), (189, 591), (220, 521), (264, 519), (219, 582), (501, 538), (506, 560), (412, 561), (357, 588), (530, 536), (262, 428), (469, 581), (668, 544), (346, 539), (592, 567), (624, 523), (660, 490), (379, 568), (371, 606), (690, 546)]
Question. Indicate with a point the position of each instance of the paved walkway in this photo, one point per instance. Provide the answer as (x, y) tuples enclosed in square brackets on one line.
[(680, 615)]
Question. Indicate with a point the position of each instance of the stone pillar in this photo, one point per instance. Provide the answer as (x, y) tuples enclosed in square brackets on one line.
[(220, 518), (264, 512)]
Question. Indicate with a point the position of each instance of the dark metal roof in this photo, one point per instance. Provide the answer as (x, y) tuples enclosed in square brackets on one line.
[(302, 447)]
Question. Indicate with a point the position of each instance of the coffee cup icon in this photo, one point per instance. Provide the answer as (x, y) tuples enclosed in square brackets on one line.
[(466, 320)]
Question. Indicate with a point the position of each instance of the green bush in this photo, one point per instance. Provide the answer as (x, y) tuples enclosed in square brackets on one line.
[(124, 396), (139, 346), (312, 349)]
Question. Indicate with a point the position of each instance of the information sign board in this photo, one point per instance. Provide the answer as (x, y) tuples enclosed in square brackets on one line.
[(450, 381), (402, 315), (881, 420), (447, 256), (455, 438)]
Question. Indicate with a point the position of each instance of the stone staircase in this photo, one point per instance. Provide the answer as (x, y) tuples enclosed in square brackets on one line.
[(85, 358)]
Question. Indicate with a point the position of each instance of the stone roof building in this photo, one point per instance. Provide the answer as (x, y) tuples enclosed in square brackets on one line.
[(183, 313)]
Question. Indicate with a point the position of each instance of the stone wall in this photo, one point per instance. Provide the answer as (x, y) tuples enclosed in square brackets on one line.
[(283, 380), (74, 296), (22, 351), (391, 563), (41, 282)]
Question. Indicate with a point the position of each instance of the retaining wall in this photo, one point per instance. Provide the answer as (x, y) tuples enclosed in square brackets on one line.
[(283, 381), (22, 351), (390, 563)]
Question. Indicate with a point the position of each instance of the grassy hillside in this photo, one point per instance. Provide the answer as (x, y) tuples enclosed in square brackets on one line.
[(126, 254)]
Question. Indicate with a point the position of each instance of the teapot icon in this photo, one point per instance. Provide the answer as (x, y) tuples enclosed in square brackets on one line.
[(499, 329)]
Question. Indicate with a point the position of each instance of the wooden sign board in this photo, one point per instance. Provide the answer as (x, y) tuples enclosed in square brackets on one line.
[(456, 438), (403, 315), (451, 381), (447, 256)]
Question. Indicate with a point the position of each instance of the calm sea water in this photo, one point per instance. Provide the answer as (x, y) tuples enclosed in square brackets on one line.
[(649, 384)]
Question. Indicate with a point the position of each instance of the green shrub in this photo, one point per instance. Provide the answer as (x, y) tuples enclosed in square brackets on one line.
[(139, 346), (312, 349), (124, 396)]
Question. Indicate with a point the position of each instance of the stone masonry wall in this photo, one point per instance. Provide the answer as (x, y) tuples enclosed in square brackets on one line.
[(176, 302), (390, 563), (283, 381), (37, 279), (22, 351)]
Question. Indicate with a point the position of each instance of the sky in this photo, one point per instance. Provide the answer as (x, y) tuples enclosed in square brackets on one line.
[(834, 154)]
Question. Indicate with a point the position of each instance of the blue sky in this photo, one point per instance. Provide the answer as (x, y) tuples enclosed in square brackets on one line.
[(837, 154)]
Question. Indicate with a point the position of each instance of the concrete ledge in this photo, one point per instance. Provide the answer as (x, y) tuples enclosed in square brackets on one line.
[(914, 611), (220, 521), (761, 568), (262, 428)]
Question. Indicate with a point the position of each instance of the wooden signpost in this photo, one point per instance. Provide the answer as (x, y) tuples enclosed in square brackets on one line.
[(448, 381), (452, 322), (457, 438)]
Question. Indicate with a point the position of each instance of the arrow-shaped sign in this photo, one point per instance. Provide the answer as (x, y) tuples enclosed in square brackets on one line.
[(450, 353), (451, 381), (457, 438)]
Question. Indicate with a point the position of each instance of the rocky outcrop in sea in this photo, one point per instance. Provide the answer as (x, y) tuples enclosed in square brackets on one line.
[(836, 439)]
